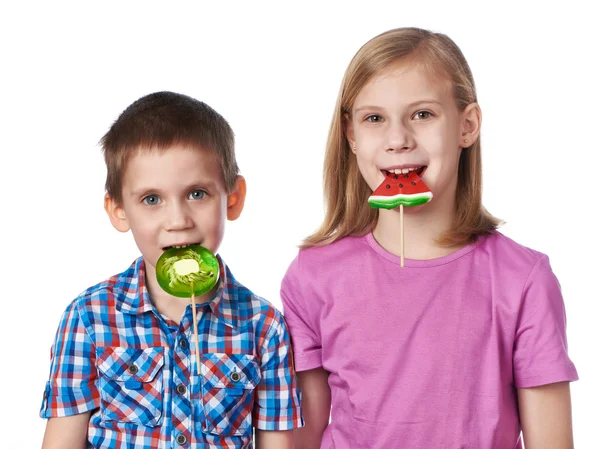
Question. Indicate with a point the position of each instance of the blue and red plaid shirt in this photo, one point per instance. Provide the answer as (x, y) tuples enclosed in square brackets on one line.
[(135, 369)]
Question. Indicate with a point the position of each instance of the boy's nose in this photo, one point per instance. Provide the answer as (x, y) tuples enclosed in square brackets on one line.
[(178, 218)]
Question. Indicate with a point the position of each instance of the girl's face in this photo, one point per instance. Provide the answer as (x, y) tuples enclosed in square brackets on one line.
[(404, 118)]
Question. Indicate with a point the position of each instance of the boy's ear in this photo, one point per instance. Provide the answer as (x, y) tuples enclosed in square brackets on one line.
[(349, 130), (471, 125), (235, 200), (116, 214)]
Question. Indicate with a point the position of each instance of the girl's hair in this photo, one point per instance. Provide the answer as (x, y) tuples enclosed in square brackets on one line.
[(346, 192)]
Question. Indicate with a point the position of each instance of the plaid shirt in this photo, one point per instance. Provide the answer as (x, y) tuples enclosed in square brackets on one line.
[(135, 369)]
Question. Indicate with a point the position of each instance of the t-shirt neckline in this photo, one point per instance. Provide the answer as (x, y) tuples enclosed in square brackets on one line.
[(415, 263)]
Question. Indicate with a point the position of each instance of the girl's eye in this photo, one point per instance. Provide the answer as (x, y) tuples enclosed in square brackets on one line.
[(374, 118), (151, 200), (197, 194), (421, 115)]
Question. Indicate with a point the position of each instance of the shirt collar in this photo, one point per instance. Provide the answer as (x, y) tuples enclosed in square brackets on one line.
[(130, 288)]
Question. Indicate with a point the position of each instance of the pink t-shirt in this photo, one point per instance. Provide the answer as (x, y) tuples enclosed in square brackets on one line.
[(429, 355)]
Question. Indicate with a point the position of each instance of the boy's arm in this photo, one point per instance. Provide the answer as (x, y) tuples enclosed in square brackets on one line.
[(546, 416), (68, 431), (273, 439), (316, 408), (277, 402)]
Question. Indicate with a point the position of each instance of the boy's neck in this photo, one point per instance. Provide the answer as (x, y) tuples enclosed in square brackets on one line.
[(421, 229), (170, 306)]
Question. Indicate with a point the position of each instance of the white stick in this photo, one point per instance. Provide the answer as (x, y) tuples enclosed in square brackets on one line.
[(402, 236), (196, 331)]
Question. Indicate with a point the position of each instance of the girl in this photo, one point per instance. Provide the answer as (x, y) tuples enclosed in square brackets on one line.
[(465, 346)]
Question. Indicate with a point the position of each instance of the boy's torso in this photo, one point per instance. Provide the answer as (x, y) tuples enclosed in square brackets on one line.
[(150, 394)]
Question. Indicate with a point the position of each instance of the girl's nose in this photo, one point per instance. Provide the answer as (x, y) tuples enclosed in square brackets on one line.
[(400, 138)]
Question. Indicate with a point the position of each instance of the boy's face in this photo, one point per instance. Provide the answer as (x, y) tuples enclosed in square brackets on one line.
[(175, 197)]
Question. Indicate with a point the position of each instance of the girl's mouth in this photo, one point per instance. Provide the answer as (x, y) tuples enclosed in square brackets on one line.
[(397, 171)]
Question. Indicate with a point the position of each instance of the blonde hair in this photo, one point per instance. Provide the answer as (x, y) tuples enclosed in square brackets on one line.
[(346, 192)]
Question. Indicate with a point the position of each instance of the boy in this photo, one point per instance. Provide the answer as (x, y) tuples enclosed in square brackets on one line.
[(123, 372)]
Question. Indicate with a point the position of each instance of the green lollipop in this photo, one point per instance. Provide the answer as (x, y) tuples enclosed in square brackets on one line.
[(188, 270)]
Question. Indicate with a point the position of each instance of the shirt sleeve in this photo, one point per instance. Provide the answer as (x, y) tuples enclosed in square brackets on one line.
[(71, 388), (540, 351), (277, 404), (306, 339)]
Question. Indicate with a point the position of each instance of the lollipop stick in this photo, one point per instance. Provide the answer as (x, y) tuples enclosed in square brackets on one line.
[(402, 235), (196, 331)]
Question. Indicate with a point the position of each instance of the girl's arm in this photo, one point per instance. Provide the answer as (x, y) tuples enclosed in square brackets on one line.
[(316, 408), (546, 416), (68, 431), (274, 439)]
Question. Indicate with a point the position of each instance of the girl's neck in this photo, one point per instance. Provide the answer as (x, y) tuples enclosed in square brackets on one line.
[(421, 229)]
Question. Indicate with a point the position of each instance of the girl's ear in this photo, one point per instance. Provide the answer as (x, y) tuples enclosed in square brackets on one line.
[(471, 125), (235, 200), (349, 131), (116, 214)]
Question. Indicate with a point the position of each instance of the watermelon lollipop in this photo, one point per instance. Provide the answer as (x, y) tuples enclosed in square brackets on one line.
[(400, 190), (188, 271), (406, 189)]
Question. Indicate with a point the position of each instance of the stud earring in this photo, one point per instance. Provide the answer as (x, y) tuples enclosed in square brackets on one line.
[(466, 140)]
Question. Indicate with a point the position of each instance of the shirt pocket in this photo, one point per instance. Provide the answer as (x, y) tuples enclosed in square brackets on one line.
[(131, 385), (228, 383)]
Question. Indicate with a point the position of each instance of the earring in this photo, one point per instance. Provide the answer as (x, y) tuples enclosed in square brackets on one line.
[(466, 140), (353, 147)]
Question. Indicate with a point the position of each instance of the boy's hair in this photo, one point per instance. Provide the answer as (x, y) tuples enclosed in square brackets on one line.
[(346, 192), (159, 121)]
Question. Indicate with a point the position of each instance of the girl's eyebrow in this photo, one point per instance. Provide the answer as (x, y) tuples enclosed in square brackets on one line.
[(371, 108), (413, 104)]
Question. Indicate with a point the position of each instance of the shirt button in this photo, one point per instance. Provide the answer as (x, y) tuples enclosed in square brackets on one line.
[(181, 439), (183, 343), (235, 376), (132, 369), (181, 389)]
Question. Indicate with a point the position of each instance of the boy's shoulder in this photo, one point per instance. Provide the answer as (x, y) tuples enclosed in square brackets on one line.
[(250, 307), (121, 289)]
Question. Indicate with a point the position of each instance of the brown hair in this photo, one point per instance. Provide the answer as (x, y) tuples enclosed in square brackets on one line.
[(160, 121), (346, 192)]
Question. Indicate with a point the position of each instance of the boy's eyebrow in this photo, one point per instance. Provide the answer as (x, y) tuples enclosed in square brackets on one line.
[(413, 104), (197, 185)]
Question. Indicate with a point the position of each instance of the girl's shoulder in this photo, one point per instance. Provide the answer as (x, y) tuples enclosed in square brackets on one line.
[(505, 249), (320, 259), (331, 252)]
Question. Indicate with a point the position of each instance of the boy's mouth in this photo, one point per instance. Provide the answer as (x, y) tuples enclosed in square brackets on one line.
[(179, 245)]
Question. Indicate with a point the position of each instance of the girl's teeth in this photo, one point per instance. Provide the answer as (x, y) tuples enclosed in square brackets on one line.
[(402, 171)]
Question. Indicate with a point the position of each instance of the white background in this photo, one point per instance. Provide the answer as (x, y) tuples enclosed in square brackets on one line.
[(273, 70)]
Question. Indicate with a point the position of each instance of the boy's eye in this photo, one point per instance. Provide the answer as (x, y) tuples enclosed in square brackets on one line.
[(374, 118), (422, 115), (151, 200), (197, 194)]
